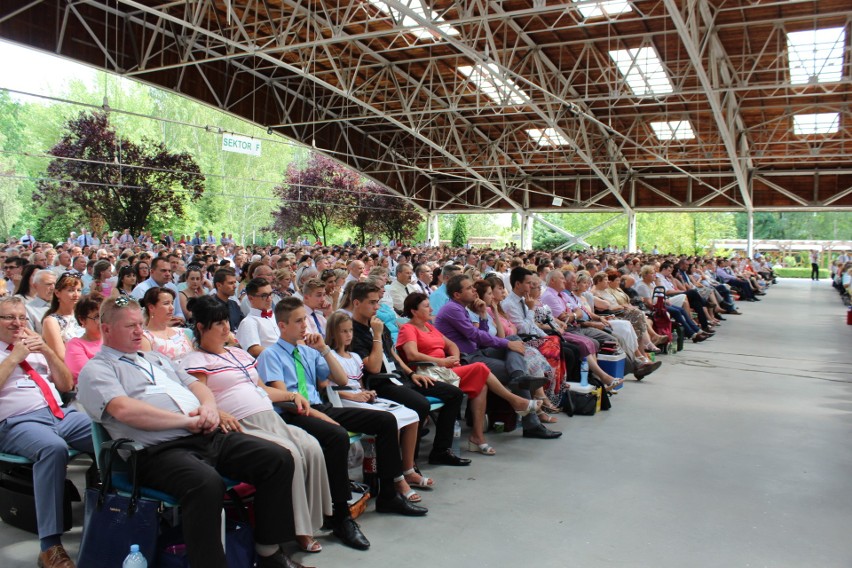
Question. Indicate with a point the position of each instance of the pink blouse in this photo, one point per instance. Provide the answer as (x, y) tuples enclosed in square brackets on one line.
[(78, 351)]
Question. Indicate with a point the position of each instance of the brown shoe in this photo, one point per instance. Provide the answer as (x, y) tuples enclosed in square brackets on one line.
[(55, 557)]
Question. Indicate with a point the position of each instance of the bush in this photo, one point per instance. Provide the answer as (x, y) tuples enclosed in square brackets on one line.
[(798, 272)]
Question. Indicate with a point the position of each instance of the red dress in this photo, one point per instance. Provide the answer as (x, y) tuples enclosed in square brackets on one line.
[(472, 377)]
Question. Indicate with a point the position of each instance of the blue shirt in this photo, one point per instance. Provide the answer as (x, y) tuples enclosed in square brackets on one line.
[(276, 363), (438, 298)]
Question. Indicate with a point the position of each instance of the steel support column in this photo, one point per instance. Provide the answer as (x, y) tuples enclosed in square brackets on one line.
[(631, 231), (750, 237)]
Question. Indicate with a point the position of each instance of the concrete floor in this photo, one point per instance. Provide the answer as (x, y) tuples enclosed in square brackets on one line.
[(736, 453)]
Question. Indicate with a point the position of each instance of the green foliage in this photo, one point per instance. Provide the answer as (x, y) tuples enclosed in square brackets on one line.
[(459, 238), (798, 272), (828, 225), (682, 233)]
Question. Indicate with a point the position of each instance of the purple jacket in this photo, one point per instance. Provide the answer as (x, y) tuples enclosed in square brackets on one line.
[(452, 320)]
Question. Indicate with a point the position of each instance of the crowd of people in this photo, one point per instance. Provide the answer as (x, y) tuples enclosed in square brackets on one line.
[(255, 363)]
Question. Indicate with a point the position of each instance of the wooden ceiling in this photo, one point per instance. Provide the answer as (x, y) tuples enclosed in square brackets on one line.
[(367, 87)]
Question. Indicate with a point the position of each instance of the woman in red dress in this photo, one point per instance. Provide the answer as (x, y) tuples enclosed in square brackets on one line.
[(418, 340)]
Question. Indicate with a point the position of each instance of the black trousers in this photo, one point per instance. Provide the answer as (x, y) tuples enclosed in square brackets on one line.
[(334, 441), (697, 303), (743, 287), (414, 397), (814, 271), (191, 470)]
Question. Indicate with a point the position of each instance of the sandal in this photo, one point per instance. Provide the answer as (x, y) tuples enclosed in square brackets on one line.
[(412, 496), (532, 406), (547, 405), (423, 483), (483, 448), (546, 418), (309, 544)]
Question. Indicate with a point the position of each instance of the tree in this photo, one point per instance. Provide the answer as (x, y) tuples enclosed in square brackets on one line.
[(115, 181), (392, 216), (316, 197), (459, 238)]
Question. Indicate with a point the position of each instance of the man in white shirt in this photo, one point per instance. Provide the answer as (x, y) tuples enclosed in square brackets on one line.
[(313, 298), (356, 268), (35, 425), (161, 275), (401, 287), (424, 277), (28, 240), (44, 282), (515, 305), (258, 330)]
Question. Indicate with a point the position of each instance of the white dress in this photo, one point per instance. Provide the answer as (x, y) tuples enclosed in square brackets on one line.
[(354, 368)]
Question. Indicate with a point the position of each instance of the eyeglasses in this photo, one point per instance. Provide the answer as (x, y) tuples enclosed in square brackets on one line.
[(327, 274), (93, 318), (261, 296), (71, 274), (10, 319), (122, 301)]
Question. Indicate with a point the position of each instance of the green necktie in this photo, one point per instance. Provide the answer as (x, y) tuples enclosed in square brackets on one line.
[(300, 374)]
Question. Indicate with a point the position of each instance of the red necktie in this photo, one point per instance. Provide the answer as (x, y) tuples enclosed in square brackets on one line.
[(266, 314), (42, 385)]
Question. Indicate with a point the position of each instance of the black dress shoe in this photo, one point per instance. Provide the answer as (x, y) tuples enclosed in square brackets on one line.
[(401, 506), (646, 369), (277, 560), (708, 330), (720, 318), (447, 457), (350, 534), (542, 433)]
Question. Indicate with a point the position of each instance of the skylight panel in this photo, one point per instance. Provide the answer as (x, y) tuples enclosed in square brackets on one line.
[(547, 137), (643, 71), (673, 130), (606, 8), (816, 56), (414, 26), (488, 80), (819, 123)]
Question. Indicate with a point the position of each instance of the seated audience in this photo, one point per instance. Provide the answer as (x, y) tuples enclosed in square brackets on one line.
[(245, 405), (186, 453)]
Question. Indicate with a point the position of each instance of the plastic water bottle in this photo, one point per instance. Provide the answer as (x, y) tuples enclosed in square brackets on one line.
[(584, 373), (371, 475), (457, 438), (134, 559)]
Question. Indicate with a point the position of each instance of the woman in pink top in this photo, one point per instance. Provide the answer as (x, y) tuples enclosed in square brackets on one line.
[(245, 405), (79, 350)]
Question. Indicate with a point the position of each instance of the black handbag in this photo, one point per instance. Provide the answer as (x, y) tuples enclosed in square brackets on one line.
[(17, 499), (113, 522), (579, 403)]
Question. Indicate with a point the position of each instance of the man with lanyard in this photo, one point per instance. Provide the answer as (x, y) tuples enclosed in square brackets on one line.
[(372, 342), (35, 426), (161, 275), (301, 364), (258, 330), (144, 397)]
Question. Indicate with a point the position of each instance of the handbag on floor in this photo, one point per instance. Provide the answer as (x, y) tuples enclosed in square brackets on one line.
[(113, 522)]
